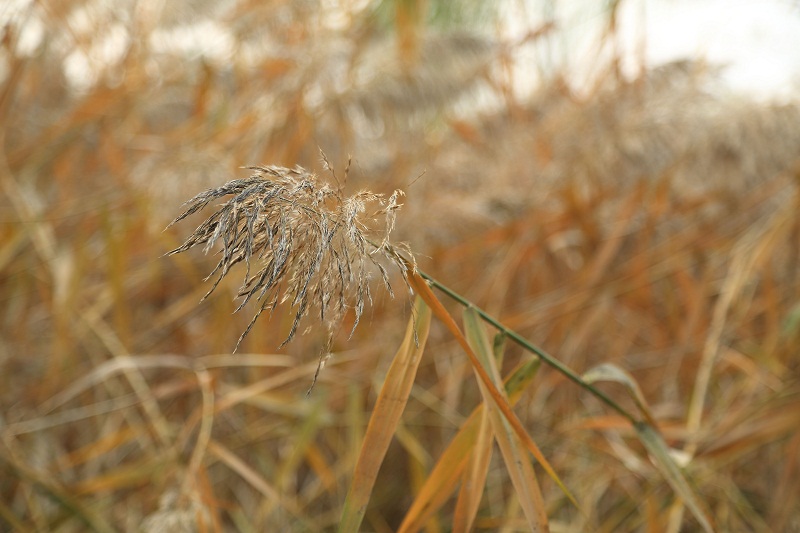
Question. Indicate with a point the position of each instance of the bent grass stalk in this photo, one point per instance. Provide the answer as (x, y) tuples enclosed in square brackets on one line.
[(313, 247)]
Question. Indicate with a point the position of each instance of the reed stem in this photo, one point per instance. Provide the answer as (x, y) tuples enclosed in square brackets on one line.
[(527, 345)]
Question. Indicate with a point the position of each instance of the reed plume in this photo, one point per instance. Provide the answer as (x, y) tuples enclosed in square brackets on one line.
[(307, 243)]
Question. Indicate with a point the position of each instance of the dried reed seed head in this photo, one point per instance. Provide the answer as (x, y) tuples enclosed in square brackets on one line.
[(301, 240)]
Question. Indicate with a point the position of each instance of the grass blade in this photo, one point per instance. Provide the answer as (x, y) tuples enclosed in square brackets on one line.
[(652, 440), (448, 469), (518, 464), (474, 476), (659, 453), (385, 416), (612, 372), (60, 495), (421, 287)]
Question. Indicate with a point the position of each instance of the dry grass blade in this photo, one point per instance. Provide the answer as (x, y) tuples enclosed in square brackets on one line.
[(650, 221), (445, 475), (753, 248), (652, 439), (60, 495), (253, 478), (473, 484), (421, 287), (473, 480), (308, 244), (659, 452), (616, 374), (385, 416), (518, 463)]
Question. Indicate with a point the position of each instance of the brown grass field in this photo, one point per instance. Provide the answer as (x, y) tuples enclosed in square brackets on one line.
[(645, 233)]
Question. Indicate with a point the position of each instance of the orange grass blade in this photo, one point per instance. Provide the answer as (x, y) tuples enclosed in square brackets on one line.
[(385, 417), (474, 477), (100, 447), (421, 287), (444, 476), (319, 464), (448, 469), (473, 483), (518, 464), (135, 474)]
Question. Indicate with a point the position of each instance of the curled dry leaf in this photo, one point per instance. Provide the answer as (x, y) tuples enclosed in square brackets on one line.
[(301, 241)]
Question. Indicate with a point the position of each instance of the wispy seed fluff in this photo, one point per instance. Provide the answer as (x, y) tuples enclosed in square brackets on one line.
[(301, 241)]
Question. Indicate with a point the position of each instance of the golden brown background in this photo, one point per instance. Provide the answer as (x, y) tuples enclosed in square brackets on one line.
[(649, 221)]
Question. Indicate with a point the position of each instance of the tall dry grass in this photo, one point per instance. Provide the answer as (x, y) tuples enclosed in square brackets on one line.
[(651, 224)]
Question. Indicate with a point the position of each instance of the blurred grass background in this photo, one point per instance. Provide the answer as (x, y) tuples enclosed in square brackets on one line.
[(648, 220)]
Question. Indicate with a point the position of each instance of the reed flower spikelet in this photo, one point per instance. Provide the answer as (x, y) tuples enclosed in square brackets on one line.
[(301, 241)]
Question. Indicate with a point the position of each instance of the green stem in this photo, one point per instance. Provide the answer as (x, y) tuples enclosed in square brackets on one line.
[(524, 343)]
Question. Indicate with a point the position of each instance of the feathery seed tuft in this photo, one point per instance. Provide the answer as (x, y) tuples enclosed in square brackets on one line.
[(301, 241)]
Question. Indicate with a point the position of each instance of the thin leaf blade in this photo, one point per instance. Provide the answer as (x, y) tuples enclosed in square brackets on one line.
[(385, 417), (518, 463), (659, 453), (444, 477)]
